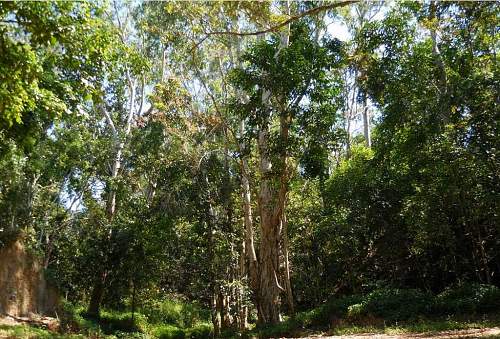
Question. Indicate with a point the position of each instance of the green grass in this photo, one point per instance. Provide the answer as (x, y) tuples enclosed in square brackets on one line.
[(25, 331), (420, 326), (163, 319), (297, 327), (290, 327), (396, 310), (390, 311)]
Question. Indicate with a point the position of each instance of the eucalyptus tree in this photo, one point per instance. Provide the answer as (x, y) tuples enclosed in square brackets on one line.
[(175, 33), (287, 79), (118, 100), (161, 21)]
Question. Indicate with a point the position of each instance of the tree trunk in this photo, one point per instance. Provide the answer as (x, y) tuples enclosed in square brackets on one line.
[(348, 140), (97, 295), (242, 308), (216, 321), (251, 255), (100, 282), (366, 122), (272, 193), (286, 278), (269, 288)]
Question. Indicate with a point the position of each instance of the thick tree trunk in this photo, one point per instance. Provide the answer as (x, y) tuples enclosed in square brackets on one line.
[(272, 194), (100, 282), (269, 288), (216, 320)]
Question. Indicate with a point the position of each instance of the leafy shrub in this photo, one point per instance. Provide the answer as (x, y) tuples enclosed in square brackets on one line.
[(335, 308), (200, 331), (284, 328), (175, 312), (71, 319), (169, 332), (112, 321), (394, 304), (467, 299)]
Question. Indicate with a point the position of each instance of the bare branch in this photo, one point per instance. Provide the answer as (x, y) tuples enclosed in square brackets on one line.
[(108, 118)]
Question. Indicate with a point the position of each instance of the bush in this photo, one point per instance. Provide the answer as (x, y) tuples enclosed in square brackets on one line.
[(169, 332), (395, 304), (71, 319), (468, 299), (175, 312), (112, 321), (200, 331), (333, 309)]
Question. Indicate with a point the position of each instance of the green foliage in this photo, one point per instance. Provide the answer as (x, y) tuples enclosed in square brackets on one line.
[(24, 331), (72, 320), (169, 332), (418, 211), (392, 304), (199, 331), (177, 313), (112, 321), (393, 311), (175, 320), (468, 299)]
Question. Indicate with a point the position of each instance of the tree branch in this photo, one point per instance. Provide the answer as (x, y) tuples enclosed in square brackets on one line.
[(108, 119), (280, 25)]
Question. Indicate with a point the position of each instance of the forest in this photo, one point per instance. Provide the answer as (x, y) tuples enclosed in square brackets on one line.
[(251, 169)]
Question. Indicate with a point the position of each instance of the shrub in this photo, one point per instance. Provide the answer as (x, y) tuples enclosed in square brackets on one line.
[(467, 299), (175, 312), (169, 332), (333, 309), (71, 319), (200, 331), (395, 304), (112, 321)]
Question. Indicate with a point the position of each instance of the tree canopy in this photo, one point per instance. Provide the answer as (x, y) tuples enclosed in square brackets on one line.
[(245, 156)]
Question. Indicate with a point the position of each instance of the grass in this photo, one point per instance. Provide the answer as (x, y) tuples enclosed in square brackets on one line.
[(164, 319), (420, 326), (388, 311), (290, 327), (25, 332), (296, 328)]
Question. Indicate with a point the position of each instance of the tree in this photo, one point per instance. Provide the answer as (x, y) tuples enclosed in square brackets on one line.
[(275, 97)]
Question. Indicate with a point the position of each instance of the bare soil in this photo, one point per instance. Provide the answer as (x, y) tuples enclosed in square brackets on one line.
[(493, 332), (23, 288)]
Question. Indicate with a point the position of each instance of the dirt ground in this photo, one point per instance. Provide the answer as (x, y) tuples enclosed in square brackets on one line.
[(493, 332), (34, 320)]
